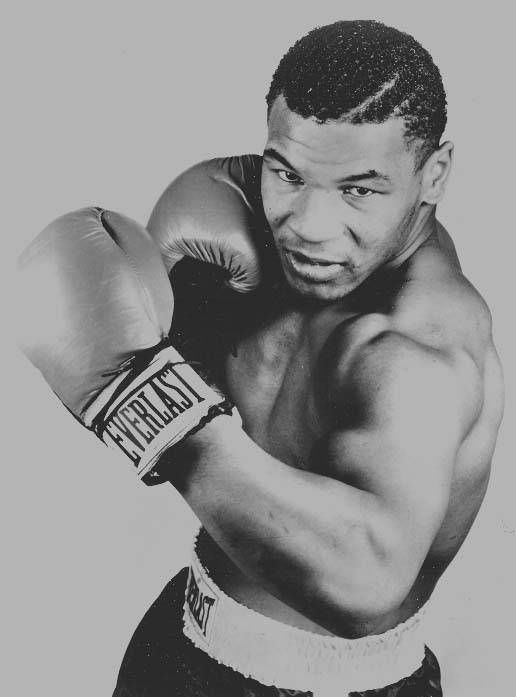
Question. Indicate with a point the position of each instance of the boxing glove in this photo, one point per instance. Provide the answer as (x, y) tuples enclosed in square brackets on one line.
[(213, 213), (97, 307)]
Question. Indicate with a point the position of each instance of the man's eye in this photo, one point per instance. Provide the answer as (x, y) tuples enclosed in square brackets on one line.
[(358, 191), (286, 176)]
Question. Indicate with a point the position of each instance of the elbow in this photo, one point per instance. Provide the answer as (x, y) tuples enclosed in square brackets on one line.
[(366, 603), (382, 595), (363, 591)]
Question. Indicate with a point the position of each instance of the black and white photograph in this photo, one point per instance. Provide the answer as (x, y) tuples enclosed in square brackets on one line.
[(260, 294)]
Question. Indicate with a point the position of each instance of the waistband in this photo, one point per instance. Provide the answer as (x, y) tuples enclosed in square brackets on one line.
[(274, 653)]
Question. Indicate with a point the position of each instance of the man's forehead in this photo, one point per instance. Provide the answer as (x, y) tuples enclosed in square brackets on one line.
[(334, 142)]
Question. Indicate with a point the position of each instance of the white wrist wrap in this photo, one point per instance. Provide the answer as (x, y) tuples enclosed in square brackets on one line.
[(160, 407)]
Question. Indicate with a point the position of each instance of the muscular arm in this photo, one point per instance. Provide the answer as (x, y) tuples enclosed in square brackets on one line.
[(346, 545)]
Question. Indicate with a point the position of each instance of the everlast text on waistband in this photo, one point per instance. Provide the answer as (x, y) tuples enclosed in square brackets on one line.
[(199, 603)]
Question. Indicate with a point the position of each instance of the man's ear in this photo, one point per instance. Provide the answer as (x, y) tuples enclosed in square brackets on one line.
[(435, 173)]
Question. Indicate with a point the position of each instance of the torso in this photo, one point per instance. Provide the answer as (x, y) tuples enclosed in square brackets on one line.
[(277, 381)]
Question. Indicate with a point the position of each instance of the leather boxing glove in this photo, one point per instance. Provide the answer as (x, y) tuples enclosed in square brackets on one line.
[(213, 213), (97, 308)]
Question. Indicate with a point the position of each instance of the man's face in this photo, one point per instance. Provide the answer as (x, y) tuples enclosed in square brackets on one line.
[(341, 199)]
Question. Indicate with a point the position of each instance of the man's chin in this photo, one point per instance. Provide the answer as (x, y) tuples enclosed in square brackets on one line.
[(320, 291)]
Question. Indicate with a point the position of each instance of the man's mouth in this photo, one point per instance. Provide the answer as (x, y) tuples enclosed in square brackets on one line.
[(313, 268)]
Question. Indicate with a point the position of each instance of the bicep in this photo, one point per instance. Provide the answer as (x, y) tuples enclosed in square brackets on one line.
[(405, 413)]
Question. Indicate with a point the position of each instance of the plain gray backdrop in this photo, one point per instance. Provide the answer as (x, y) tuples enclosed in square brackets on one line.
[(106, 102)]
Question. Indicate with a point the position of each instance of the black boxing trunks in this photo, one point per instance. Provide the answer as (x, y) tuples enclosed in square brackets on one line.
[(197, 642)]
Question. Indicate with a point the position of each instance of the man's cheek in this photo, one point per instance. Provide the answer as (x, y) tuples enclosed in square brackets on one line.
[(275, 212), (271, 205)]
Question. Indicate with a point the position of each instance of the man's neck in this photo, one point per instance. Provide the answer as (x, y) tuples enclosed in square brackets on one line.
[(423, 227)]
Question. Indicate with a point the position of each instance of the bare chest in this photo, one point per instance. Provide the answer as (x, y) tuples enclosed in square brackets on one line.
[(276, 379)]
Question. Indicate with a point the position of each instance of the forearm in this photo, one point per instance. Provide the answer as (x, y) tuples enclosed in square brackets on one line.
[(306, 538)]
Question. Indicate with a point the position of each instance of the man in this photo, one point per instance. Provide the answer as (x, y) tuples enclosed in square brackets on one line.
[(363, 369)]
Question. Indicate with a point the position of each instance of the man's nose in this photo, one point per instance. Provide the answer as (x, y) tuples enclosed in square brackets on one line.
[(317, 217)]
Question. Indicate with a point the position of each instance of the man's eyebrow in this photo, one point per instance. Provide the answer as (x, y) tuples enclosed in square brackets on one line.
[(370, 174), (275, 155)]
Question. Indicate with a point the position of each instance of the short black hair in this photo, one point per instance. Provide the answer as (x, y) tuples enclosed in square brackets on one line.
[(363, 71)]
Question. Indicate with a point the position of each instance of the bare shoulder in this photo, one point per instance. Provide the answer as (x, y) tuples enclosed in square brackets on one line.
[(433, 345), (391, 373)]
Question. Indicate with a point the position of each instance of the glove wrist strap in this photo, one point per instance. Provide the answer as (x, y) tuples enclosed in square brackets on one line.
[(148, 412)]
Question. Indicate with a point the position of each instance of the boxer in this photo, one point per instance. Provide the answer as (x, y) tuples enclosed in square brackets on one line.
[(360, 360)]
